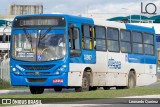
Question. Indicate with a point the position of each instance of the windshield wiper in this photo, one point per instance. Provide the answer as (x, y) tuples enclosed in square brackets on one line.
[(28, 36), (41, 36)]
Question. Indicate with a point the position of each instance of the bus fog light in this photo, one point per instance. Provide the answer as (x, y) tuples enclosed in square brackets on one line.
[(57, 72), (64, 66), (61, 69), (17, 72)]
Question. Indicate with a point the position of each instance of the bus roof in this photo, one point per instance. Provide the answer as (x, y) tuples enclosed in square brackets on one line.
[(109, 24), (85, 20), (140, 28), (155, 25)]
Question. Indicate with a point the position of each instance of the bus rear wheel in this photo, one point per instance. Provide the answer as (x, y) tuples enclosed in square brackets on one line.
[(106, 88), (131, 80), (36, 90), (57, 89), (120, 87), (85, 83), (92, 88)]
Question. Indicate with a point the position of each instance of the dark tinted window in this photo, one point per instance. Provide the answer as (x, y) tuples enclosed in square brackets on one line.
[(137, 45), (137, 48), (148, 40), (100, 34), (86, 31), (87, 39), (112, 39), (137, 37), (148, 49), (125, 36), (74, 42), (112, 33)]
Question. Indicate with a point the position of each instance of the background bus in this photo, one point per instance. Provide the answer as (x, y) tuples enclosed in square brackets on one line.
[(63, 51)]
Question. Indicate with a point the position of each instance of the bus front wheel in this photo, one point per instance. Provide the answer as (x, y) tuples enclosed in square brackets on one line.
[(36, 90), (85, 83), (92, 88), (57, 89), (106, 88)]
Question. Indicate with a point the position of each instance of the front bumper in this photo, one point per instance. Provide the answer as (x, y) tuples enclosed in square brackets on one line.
[(17, 80)]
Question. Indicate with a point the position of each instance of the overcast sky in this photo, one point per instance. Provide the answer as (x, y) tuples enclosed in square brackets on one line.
[(84, 6)]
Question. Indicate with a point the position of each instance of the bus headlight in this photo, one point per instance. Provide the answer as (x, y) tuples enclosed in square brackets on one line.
[(15, 71)]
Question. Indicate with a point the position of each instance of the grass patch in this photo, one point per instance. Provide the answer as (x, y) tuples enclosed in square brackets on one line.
[(4, 84), (7, 85), (91, 94), (17, 88)]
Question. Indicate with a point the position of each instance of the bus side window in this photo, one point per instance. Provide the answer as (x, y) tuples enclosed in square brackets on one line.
[(100, 38), (74, 42), (113, 39), (125, 44), (148, 40), (87, 39), (137, 45)]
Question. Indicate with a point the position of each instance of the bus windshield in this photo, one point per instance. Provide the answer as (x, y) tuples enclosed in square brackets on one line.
[(38, 45)]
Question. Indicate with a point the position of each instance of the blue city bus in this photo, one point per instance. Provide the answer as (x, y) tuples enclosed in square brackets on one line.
[(63, 51)]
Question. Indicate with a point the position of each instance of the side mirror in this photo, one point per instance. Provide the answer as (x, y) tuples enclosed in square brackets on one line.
[(4, 38)]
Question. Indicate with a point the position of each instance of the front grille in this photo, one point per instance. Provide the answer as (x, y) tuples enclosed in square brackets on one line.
[(36, 79), (37, 67), (40, 73)]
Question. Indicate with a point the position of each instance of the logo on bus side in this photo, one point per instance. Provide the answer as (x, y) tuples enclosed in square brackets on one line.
[(112, 64), (87, 57)]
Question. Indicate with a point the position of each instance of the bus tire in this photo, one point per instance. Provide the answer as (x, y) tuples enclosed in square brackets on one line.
[(36, 90), (131, 80), (85, 83), (58, 89), (92, 88), (120, 87), (106, 88)]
